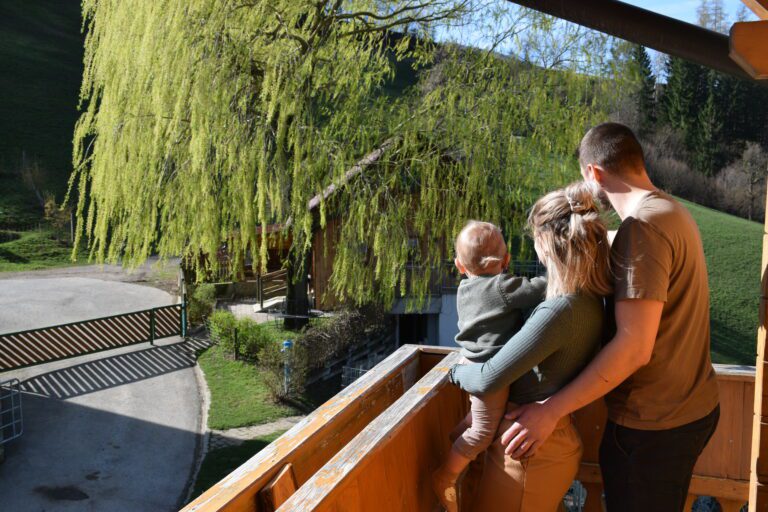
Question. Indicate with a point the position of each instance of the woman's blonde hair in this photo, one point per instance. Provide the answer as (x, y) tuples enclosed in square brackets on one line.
[(573, 240)]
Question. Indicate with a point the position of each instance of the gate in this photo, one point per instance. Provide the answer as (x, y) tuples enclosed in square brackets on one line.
[(11, 425), (36, 346)]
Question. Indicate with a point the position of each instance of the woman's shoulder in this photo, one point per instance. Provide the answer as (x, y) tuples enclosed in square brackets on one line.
[(576, 306)]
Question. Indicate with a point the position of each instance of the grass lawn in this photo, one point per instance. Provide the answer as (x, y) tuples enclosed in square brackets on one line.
[(219, 463), (34, 250), (239, 396), (733, 250)]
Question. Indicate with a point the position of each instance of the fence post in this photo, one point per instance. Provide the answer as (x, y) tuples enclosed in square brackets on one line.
[(152, 326), (261, 292), (287, 346), (184, 315)]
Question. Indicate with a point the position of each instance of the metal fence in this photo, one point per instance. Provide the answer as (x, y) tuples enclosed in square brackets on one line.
[(35, 346), (11, 424)]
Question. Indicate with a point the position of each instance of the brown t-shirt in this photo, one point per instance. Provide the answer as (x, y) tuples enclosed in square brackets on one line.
[(657, 255)]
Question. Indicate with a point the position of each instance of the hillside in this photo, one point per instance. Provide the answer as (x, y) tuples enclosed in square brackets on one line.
[(733, 250), (41, 51)]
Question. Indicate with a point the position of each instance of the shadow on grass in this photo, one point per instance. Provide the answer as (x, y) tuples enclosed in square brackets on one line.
[(731, 346), (11, 256), (221, 462)]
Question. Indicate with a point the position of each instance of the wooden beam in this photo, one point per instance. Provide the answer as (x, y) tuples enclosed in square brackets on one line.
[(749, 47), (759, 7), (758, 498)]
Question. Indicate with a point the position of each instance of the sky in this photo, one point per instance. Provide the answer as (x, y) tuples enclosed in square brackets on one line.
[(683, 10)]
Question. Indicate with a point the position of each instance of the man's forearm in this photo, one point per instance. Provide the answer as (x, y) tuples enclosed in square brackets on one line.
[(609, 369)]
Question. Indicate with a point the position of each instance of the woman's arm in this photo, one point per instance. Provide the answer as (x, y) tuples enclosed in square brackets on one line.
[(544, 332)]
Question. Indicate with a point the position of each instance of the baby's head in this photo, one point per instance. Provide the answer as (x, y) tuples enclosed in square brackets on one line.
[(480, 249)]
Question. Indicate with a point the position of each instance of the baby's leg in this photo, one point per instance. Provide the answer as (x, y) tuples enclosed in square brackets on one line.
[(487, 411)]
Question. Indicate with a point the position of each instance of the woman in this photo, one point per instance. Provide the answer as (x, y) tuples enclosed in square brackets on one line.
[(561, 336)]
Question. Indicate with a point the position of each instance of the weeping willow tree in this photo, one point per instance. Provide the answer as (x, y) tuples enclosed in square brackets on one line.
[(202, 120)]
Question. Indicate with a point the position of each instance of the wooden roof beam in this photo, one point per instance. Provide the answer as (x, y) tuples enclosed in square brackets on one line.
[(759, 7), (749, 47)]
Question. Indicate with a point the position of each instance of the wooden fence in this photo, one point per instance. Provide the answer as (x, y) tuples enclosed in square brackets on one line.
[(35, 346), (374, 445)]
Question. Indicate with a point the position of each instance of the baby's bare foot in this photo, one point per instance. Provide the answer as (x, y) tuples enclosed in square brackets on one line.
[(444, 485)]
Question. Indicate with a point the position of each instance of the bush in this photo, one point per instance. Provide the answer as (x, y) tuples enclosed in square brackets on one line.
[(251, 338), (200, 302), (272, 359), (221, 327), (327, 340)]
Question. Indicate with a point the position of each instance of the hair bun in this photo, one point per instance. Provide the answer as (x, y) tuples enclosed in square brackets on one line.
[(581, 198)]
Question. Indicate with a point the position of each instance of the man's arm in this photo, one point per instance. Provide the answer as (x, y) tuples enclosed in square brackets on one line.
[(637, 323)]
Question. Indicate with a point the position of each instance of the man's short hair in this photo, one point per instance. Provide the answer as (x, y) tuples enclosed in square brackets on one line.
[(613, 147)]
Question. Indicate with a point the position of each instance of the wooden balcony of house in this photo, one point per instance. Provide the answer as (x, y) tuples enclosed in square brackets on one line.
[(374, 445)]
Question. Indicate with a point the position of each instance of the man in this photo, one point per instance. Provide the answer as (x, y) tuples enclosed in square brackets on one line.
[(656, 373)]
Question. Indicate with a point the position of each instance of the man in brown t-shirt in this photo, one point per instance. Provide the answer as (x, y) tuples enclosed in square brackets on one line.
[(656, 373)]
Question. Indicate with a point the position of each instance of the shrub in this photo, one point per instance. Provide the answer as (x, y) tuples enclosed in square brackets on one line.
[(200, 302), (325, 341), (272, 359), (221, 327), (251, 338)]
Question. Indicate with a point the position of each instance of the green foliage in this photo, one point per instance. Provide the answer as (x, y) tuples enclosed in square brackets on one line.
[(221, 328), (34, 250), (200, 302), (273, 359), (239, 394), (204, 119), (646, 88), (251, 338), (327, 340)]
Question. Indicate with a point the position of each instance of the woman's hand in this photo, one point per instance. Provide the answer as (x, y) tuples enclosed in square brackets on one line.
[(533, 424)]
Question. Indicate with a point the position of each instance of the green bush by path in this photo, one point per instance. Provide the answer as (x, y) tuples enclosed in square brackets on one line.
[(732, 247), (219, 463)]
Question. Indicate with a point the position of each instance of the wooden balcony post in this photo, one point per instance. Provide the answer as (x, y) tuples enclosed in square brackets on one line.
[(758, 492)]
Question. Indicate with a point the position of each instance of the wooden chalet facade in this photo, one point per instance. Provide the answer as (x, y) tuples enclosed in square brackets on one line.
[(374, 445)]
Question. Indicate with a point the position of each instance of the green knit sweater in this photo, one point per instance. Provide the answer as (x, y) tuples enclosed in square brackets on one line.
[(561, 336)]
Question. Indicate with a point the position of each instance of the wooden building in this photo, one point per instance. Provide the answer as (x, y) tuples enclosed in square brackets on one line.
[(374, 445)]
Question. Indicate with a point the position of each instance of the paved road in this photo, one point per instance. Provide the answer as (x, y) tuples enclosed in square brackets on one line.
[(114, 431)]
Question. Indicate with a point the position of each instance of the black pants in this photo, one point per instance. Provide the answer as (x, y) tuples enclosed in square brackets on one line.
[(651, 469)]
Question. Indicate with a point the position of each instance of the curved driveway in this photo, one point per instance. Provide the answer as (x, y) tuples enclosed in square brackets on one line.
[(115, 431)]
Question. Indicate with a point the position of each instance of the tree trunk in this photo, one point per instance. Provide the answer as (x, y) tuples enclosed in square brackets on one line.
[(297, 298)]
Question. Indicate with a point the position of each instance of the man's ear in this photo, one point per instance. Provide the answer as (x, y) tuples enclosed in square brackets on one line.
[(597, 173)]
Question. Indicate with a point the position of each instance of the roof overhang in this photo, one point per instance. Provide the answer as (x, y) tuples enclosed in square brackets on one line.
[(670, 35)]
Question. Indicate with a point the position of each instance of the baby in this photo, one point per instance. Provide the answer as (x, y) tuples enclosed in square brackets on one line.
[(491, 307)]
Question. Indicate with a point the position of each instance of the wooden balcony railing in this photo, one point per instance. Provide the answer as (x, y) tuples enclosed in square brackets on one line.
[(373, 446)]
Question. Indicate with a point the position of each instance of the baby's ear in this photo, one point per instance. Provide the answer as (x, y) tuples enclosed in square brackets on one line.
[(507, 258), (459, 266)]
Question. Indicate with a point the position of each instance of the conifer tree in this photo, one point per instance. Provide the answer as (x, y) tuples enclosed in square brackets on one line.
[(646, 88)]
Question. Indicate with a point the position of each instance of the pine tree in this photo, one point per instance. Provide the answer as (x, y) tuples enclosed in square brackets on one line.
[(707, 148), (646, 88)]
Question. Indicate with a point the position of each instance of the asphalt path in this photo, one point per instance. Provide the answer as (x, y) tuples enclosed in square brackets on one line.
[(118, 430)]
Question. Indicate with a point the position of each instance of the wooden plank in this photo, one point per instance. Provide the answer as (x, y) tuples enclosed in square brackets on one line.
[(314, 440), (759, 7), (407, 428), (749, 47), (278, 490)]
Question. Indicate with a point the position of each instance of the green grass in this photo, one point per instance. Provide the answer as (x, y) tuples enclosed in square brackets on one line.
[(33, 251), (219, 463), (732, 247), (239, 396)]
